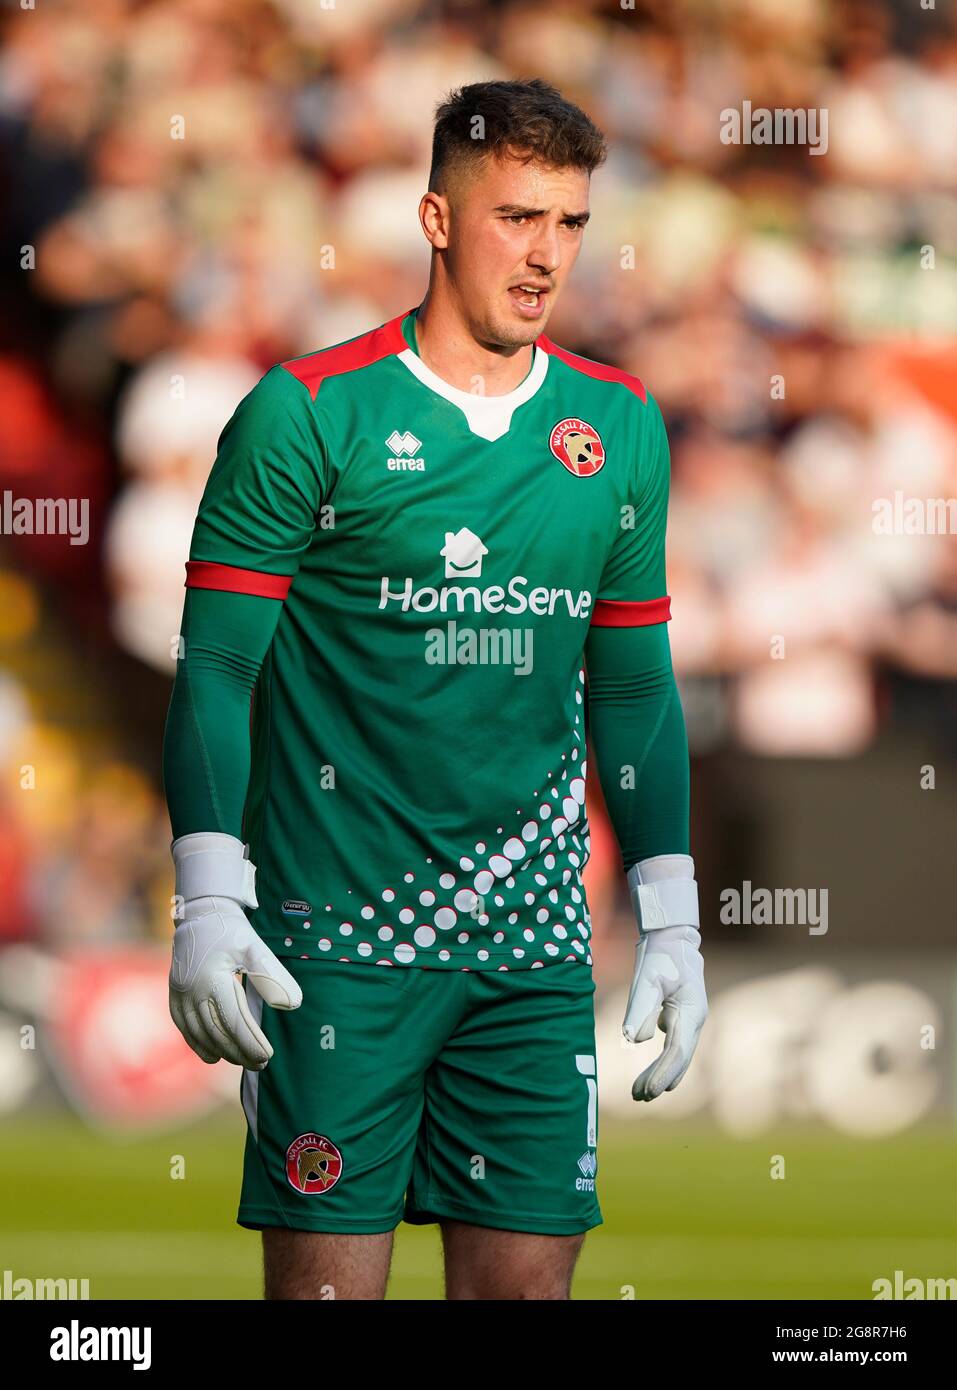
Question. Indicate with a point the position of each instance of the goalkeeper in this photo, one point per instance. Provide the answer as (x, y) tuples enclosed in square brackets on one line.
[(375, 756)]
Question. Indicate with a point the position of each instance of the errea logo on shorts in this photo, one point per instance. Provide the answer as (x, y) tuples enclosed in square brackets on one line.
[(403, 448), (463, 553), (588, 1166)]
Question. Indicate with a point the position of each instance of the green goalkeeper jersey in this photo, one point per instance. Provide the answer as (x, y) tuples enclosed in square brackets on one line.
[(417, 784)]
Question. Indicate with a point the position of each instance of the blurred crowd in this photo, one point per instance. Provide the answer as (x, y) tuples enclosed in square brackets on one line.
[(196, 189)]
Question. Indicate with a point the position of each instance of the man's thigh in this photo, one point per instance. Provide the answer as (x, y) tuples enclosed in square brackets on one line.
[(320, 1265), (509, 1134), (484, 1263), (334, 1116)]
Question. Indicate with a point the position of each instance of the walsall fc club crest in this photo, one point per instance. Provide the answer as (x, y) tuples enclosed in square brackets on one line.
[(313, 1164), (577, 446)]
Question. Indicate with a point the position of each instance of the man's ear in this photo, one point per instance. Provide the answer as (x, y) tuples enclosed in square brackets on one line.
[(435, 219)]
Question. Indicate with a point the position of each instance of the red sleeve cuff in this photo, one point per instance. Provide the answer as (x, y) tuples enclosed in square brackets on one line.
[(610, 612), (206, 574)]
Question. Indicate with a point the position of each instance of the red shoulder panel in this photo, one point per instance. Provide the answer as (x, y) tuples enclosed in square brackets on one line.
[(590, 368), (313, 369)]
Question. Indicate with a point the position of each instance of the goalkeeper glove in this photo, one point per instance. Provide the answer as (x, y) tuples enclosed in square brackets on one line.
[(214, 944), (669, 971)]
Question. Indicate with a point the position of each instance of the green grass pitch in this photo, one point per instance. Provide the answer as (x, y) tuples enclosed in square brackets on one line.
[(688, 1214)]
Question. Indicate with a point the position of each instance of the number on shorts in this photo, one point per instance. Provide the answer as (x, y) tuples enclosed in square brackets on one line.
[(586, 1065)]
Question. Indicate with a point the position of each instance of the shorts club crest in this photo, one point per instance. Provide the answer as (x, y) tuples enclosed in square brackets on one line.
[(313, 1164)]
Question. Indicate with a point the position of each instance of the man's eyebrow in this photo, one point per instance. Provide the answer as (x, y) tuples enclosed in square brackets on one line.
[(516, 209)]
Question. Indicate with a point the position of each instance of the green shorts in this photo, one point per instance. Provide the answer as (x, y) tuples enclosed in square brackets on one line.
[(425, 1094)]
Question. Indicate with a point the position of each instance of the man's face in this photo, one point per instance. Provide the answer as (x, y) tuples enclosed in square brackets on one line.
[(514, 225)]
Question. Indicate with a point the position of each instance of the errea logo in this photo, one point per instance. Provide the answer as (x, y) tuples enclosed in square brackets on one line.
[(403, 448), (588, 1165)]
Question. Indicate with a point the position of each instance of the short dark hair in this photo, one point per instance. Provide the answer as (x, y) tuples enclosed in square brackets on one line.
[(526, 119)]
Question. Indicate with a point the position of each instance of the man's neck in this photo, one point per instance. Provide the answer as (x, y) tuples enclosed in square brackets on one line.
[(448, 349)]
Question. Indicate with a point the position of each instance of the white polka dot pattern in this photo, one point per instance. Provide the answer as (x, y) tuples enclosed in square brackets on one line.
[(516, 900)]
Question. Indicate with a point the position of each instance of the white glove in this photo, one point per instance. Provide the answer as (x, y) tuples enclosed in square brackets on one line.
[(669, 971), (212, 945)]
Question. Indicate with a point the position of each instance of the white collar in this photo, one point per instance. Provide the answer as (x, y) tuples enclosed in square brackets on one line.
[(487, 416)]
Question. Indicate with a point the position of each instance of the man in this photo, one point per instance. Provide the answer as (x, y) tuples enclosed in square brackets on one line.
[(406, 547)]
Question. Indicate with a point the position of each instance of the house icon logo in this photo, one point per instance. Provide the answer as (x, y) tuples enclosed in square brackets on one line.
[(463, 551)]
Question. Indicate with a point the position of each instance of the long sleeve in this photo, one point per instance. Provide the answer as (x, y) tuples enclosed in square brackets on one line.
[(206, 749), (256, 520), (639, 739), (637, 725)]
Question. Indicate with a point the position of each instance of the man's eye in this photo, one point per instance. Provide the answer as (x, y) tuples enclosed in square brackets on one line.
[(516, 217)]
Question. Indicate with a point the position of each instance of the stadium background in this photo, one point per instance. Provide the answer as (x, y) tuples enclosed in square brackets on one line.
[(147, 282)]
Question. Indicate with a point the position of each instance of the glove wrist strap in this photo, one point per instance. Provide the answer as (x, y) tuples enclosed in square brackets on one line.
[(210, 865), (666, 901)]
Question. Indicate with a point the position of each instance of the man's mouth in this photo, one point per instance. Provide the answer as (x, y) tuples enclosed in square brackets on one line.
[(529, 297)]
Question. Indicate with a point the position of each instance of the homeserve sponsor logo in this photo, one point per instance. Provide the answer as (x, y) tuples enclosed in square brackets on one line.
[(463, 553)]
